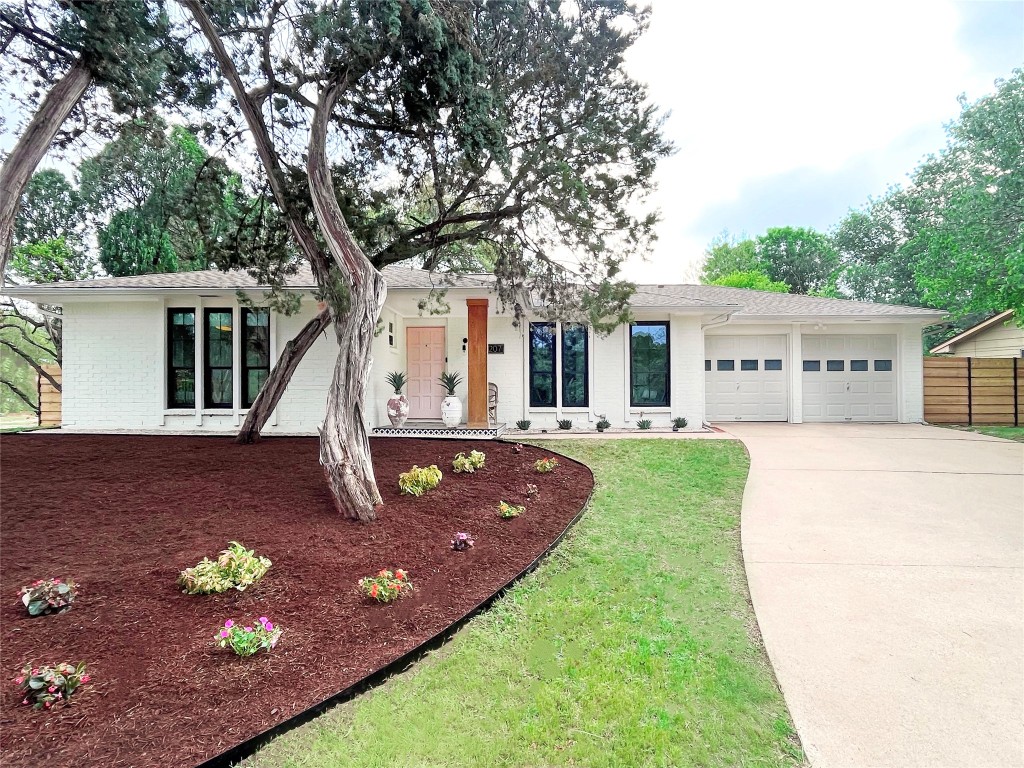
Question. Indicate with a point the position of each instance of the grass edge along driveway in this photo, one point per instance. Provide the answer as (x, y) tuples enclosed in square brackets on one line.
[(634, 644)]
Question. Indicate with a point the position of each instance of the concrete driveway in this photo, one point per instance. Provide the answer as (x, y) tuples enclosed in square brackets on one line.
[(885, 568)]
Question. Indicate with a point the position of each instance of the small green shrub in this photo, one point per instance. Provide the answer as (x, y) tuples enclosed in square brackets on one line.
[(507, 511), (49, 596), (546, 465), (643, 424), (386, 586), (471, 463), (42, 687), (419, 480), (396, 380), (246, 641), (565, 423), (679, 422), (603, 424), (450, 381), (236, 567), (523, 424)]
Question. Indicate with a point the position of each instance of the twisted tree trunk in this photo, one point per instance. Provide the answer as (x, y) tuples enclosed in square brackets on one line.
[(273, 388), (33, 144)]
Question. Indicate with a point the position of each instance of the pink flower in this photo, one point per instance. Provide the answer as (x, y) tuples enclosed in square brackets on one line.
[(85, 678), (51, 689), (24, 701), (46, 704), (269, 627), (248, 629), (263, 619), (224, 633), (19, 680), (229, 623)]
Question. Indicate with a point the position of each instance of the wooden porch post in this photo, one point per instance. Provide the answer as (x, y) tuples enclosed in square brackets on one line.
[(477, 364)]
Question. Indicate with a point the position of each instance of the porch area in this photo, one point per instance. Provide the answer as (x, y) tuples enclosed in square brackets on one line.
[(436, 428)]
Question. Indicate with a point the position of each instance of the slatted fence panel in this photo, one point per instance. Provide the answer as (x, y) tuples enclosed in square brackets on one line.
[(974, 390), (49, 398)]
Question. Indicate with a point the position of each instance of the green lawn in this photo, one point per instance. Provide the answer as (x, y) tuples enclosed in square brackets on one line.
[(633, 645), (1009, 433)]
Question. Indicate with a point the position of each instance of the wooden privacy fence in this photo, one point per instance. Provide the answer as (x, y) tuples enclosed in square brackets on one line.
[(974, 390), (49, 398)]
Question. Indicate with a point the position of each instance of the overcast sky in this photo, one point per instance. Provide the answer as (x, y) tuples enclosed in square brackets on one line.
[(790, 113)]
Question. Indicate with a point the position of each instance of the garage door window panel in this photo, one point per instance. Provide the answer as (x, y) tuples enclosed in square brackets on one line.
[(773, 365), (858, 365), (835, 365), (726, 365), (748, 365), (883, 365), (811, 366)]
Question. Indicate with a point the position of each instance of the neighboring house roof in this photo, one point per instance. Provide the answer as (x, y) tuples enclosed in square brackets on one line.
[(974, 330), (740, 302)]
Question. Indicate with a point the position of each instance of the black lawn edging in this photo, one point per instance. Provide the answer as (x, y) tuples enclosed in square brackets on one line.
[(250, 746)]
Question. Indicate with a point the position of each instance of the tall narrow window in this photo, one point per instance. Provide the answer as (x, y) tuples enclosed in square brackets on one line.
[(255, 353), (649, 364), (542, 365), (181, 358), (574, 366), (218, 388)]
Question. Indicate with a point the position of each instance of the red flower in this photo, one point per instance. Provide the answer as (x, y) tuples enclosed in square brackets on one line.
[(373, 591)]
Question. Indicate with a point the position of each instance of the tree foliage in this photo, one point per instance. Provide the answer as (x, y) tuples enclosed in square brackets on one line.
[(726, 256), (752, 279), (800, 257)]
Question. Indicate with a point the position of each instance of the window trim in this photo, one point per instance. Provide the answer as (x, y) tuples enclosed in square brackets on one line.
[(668, 362), (244, 367), (586, 364), (554, 363), (208, 404), (170, 404)]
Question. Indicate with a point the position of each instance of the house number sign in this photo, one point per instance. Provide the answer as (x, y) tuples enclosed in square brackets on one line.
[(496, 349)]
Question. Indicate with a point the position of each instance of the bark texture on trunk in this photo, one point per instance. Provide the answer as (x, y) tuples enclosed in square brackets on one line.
[(344, 445), (276, 383), (23, 160)]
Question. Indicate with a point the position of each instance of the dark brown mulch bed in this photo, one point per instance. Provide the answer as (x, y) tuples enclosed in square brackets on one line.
[(122, 515)]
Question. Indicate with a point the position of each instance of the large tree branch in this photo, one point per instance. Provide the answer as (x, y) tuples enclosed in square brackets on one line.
[(35, 366), (429, 235), (33, 144), (24, 397)]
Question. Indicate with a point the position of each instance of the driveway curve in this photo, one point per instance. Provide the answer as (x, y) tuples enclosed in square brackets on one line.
[(885, 569)]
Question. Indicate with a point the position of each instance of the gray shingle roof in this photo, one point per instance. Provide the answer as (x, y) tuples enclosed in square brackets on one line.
[(743, 302)]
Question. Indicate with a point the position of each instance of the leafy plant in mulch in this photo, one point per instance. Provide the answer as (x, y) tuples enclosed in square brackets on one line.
[(523, 424), (471, 463), (565, 423), (531, 491), (546, 465), (386, 586), (236, 567), (603, 424), (644, 424), (42, 687), (419, 480), (49, 596), (507, 511), (248, 640), (679, 422), (461, 542)]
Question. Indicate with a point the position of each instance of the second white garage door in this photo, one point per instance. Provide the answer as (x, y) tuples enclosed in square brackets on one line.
[(745, 378), (849, 377)]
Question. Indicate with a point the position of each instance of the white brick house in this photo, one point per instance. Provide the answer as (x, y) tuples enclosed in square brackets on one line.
[(177, 352)]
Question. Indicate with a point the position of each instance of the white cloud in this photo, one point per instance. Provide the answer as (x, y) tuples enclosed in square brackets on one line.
[(761, 89)]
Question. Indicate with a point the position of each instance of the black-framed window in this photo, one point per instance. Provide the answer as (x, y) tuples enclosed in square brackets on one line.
[(773, 365), (218, 387), (707, 365), (649, 360), (858, 365), (181, 358), (812, 365), (835, 365), (725, 365), (575, 392), (542, 365), (883, 365), (748, 365), (255, 353)]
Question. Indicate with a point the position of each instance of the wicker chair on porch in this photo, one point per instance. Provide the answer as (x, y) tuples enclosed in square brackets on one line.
[(492, 402)]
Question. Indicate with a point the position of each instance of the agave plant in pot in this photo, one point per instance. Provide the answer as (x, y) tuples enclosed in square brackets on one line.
[(398, 405), (451, 406)]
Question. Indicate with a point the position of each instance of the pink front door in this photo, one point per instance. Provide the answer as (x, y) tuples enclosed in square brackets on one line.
[(426, 363)]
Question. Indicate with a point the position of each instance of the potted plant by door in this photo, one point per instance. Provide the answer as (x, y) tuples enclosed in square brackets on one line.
[(398, 405), (451, 406)]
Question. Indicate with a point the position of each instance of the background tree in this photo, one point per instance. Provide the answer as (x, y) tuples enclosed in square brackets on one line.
[(726, 255), (511, 123), (800, 257), (757, 281)]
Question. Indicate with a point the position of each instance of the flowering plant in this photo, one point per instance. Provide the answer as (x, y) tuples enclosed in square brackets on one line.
[(236, 567), (245, 641), (508, 511), (418, 480), (386, 586), (42, 687), (49, 596), (546, 465), (462, 542), (471, 463)]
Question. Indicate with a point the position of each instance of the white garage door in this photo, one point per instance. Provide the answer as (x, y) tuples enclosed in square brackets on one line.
[(849, 378), (745, 378)]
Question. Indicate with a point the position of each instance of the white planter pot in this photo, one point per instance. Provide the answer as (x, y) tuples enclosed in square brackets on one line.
[(398, 410), (451, 411)]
